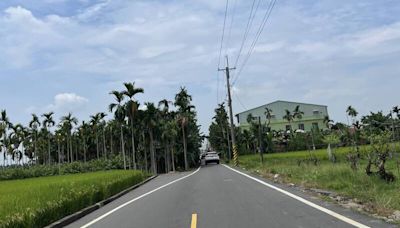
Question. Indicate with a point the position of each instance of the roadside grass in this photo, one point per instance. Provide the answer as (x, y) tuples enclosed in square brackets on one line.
[(379, 196), (37, 202), (29, 171)]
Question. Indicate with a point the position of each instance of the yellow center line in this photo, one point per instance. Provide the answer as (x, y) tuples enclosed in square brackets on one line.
[(194, 221)]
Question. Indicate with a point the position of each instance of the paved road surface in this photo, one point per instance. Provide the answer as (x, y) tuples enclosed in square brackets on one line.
[(218, 197)]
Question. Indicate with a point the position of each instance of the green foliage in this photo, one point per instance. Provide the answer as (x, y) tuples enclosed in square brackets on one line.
[(338, 177), (37, 202), (28, 171), (379, 154), (355, 133), (190, 140), (332, 139), (376, 122), (298, 141), (380, 142), (219, 131), (140, 136)]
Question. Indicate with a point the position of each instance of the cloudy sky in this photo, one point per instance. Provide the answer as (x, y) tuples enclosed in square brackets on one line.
[(66, 55)]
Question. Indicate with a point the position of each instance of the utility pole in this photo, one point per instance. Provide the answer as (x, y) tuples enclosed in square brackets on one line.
[(234, 148), (229, 146)]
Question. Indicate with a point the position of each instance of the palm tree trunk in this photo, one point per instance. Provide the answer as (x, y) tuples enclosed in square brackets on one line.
[(145, 152), (123, 147), (173, 158), (133, 147), (35, 147), (185, 148), (84, 149), (166, 159), (59, 156), (48, 150), (76, 151), (104, 145), (68, 158), (62, 149), (70, 148), (111, 141), (146, 160), (152, 153), (97, 145)]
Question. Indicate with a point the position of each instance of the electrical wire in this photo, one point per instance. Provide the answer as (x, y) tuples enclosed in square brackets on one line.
[(257, 36), (220, 48), (217, 87), (238, 99), (248, 28), (223, 33), (230, 27)]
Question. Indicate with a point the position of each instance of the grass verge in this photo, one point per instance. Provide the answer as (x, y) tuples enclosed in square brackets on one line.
[(377, 195), (37, 202), (29, 171)]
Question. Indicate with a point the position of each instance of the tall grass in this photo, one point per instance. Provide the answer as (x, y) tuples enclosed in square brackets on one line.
[(37, 202), (380, 196)]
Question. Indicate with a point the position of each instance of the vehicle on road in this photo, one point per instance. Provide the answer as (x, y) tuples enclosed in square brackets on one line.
[(211, 157)]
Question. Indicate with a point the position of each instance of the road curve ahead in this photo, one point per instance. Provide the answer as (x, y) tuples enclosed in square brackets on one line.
[(216, 196)]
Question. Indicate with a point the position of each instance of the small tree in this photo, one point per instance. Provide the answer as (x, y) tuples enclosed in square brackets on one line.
[(289, 117), (332, 140), (378, 154)]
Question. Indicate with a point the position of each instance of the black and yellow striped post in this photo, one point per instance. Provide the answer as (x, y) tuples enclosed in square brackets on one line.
[(235, 155)]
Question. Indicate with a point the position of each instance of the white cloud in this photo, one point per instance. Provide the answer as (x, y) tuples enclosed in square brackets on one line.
[(93, 10), (151, 52), (62, 103), (269, 47), (68, 98), (20, 14), (308, 51), (67, 102), (379, 35)]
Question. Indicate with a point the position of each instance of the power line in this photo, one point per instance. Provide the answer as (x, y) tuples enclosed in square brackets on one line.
[(257, 36), (248, 27), (220, 48), (230, 27), (240, 102), (217, 87), (223, 33)]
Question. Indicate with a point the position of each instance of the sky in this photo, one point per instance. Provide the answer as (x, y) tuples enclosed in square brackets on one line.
[(67, 55)]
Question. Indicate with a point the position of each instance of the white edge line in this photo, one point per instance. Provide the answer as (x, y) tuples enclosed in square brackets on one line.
[(135, 199), (327, 211)]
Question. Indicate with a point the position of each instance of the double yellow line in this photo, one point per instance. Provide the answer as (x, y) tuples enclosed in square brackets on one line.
[(194, 221)]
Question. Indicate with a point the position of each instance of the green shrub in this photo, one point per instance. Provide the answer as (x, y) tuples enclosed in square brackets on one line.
[(29, 171)]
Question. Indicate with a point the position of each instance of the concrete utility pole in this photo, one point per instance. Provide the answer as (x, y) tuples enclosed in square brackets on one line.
[(229, 145), (234, 148)]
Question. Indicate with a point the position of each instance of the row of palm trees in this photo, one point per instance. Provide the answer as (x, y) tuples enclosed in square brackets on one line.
[(153, 138)]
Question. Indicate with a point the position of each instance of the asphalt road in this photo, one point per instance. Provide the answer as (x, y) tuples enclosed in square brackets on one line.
[(218, 197)]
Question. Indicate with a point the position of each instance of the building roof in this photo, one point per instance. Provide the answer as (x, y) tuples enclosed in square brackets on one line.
[(277, 101)]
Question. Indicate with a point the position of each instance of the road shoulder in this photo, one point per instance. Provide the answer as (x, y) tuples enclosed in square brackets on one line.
[(360, 217)]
